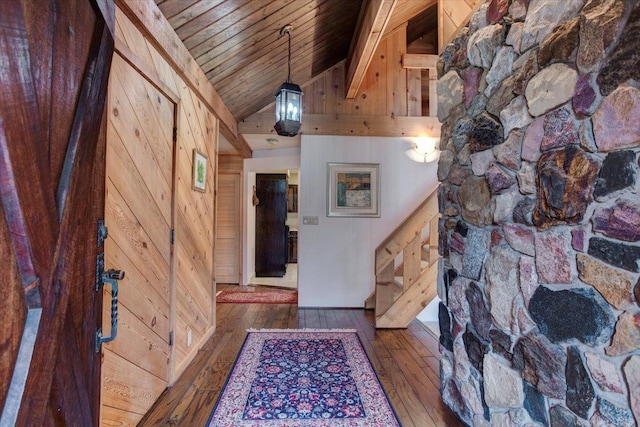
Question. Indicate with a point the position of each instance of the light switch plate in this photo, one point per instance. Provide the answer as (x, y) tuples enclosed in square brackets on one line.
[(310, 220)]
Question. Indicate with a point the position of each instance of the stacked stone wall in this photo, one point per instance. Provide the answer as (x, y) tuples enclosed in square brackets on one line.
[(540, 200)]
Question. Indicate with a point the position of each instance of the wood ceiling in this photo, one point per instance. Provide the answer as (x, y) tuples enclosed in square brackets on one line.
[(237, 43)]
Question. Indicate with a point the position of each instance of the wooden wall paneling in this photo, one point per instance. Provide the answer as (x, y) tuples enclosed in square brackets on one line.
[(127, 32), (189, 285), (319, 95), (372, 95), (396, 75), (349, 124), (452, 15), (150, 306), (196, 125), (139, 218), (142, 68), (334, 81), (123, 398), (228, 162), (195, 295), (157, 30), (414, 92), (151, 127), (137, 344)]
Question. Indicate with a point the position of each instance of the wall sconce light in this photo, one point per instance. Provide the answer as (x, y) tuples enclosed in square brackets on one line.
[(288, 100), (424, 149)]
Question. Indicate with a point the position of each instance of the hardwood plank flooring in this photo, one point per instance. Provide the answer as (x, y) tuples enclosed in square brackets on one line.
[(406, 361)]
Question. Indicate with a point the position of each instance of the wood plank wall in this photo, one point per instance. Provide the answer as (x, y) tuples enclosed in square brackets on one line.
[(452, 14), (192, 304), (383, 91)]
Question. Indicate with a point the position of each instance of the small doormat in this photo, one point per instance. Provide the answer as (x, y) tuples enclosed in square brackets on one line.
[(271, 296), (303, 378)]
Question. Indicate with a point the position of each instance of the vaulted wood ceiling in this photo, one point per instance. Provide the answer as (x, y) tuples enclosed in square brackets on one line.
[(237, 43)]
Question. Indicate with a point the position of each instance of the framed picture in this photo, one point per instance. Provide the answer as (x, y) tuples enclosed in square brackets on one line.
[(353, 189), (199, 181)]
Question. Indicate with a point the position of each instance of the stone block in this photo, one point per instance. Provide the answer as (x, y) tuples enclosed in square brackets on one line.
[(554, 259), (614, 285), (501, 68), (616, 122), (618, 172), (614, 415), (560, 44), (586, 317), (631, 371), (542, 364), (482, 45), (479, 313), (559, 130), (626, 338), (480, 161), (486, 132), (475, 251), (550, 88), (621, 222), (450, 90), (605, 373), (502, 385), (475, 201), (623, 62), (501, 285), (515, 115), (580, 393), (508, 153), (615, 253), (565, 180), (520, 238), (599, 22)]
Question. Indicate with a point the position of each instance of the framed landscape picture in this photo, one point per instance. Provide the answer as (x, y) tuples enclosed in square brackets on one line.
[(353, 189), (199, 182)]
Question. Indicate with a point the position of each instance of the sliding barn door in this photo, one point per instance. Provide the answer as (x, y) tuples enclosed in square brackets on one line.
[(54, 64), (138, 214)]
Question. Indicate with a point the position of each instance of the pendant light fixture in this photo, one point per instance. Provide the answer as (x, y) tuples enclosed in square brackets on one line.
[(288, 99)]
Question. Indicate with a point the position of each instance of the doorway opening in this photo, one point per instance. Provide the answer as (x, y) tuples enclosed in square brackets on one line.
[(276, 229)]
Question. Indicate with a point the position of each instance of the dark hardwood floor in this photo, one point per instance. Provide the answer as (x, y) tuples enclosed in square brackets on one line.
[(406, 361)]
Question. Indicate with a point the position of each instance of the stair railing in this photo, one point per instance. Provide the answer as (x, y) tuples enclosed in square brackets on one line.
[(406, 267)]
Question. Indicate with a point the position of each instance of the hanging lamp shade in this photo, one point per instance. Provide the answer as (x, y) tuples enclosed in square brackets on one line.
[(288, 100)]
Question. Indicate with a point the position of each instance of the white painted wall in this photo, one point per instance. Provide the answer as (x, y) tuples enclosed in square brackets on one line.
[(279, 161), (336, 257)]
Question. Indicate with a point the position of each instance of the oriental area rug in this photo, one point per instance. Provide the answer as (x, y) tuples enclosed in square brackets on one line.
[(303, 378), (272, 296)]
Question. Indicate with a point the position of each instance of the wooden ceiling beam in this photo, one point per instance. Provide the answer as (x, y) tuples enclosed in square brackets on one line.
[(153, 24), (348, 125), (374, 16), (419, 61)]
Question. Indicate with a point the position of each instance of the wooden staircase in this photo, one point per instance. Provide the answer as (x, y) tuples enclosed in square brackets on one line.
[(407, 268)]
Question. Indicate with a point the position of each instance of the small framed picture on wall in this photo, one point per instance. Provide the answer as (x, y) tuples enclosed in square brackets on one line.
[(199, 181), (353, 189)]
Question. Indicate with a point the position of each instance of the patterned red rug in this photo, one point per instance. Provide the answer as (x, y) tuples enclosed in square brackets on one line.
[(303, 378), (271, 296)]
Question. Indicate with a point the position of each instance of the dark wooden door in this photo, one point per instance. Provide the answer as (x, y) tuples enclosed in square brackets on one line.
[(55, 60), (271, 218)]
